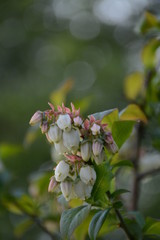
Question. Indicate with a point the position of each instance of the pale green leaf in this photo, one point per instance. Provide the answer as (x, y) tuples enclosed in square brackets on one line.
[(96, 223), (111, 118), (134, 113), (101, 115), (71, 219), (121, 131)]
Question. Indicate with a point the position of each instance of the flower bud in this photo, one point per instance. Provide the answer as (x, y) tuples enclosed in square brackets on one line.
[(86, 150), (67, 190), (77, 121), (88, 175), (99, 159), (71, 140), (82, 190), (52, 184), (61, 171), (55, 133), (44, 127), (64, 122), (113, 147), (60, 148), (97, 147), (95, 129), (36, 118)]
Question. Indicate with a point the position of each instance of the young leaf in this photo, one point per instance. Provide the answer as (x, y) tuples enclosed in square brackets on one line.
[(149, 22), (133, 85), (121, 131), (101, 115), (103, 182), (97, 222), (111, 118), (149, 53), (71, 219), (134, 113)]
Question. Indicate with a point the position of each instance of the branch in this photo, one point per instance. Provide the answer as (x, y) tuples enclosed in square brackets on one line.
[(148, 173), (123, 225), (122, 222), (38, 221)]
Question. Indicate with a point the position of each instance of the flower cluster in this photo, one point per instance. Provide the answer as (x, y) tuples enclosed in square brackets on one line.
[(82, 142)]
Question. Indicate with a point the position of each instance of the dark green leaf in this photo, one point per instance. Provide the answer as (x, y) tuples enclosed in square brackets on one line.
[(125, 163), (96, 223), (119, 192), (71, 219), (103, 182), (121, 131)]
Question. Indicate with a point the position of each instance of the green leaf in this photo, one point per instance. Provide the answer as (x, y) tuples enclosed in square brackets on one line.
[(103, 182), (8, 150), (97, 222), (149, 22), (111, 118), (125, 163), (121, 131), (154, 229), (134, 113), (118, 192), (149, 53), (151, 237), (101, 115), (133, 85), (71, 219), (134, 228), (22, 227)]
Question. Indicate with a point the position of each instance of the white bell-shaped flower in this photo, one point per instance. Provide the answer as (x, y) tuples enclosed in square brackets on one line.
[(97, 147), (82, 190), (77, 121), (60, 148), (71, 140), (67, 190), (54, 133), (61, 171), (86, 151), (64, 122), (99, 159), (88, 175)]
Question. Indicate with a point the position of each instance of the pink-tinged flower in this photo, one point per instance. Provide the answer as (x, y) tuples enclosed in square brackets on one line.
[(86, 151), (99, 159), (88, 175), (36, 118), (51, 106), (67, 190), (71, 140), (87, 124), (95, 129), (97, 147), (60, 148), (113, 147), (44, 127), (75, 112), (61, 171), (54, 133), (52, 184), (64, 122), (77, 121)]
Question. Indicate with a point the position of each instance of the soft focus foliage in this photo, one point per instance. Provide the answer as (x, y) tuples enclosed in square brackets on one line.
[(80, 51)]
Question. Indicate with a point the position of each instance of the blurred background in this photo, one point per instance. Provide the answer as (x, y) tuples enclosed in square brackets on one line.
[(54, 50)]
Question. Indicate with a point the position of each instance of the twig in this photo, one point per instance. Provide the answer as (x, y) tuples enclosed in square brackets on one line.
[(148, 173), (122, 222), (36, 220), (123, 225), (136, 168)]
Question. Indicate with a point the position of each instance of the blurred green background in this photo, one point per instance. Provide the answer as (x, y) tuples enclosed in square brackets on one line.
[(46, 44)]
